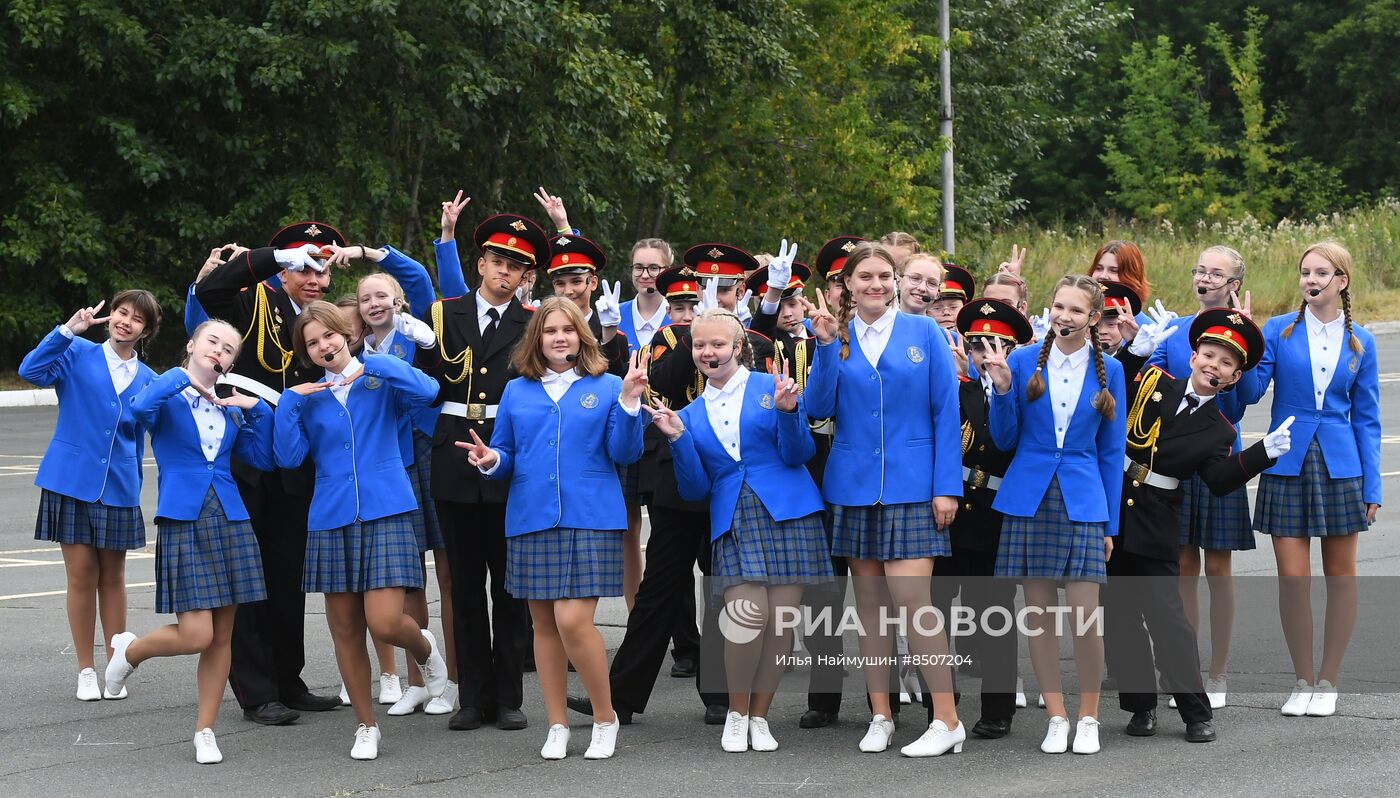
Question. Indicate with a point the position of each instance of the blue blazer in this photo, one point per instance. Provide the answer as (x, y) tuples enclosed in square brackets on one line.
[(1174, 357), (97, 447), (1089, 466), (774, 447), (418, 290), (354, 443), (561, 459), (1348, 427), (898, 429), (628, 326), (185, 473)]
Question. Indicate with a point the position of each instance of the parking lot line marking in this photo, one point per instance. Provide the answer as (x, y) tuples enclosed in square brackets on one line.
[(17, 596), (12, 562)]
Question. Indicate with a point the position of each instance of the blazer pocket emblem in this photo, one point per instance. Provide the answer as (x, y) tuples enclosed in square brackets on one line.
[(766, 402), (399, 351), (373, 383), (916, 354), (589, 401)]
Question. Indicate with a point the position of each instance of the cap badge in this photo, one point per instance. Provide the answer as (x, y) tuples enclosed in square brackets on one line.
[(987, 310), (563, 242), (714, 268), (1235, 319), (848, 246), (715, 252), (518, 226), (313, 231), (589, 400), (510, 242), (916, 354), (564, 258), (986, 326)]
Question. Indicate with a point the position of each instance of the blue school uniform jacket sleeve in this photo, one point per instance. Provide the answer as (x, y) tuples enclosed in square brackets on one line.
[(412, 388), (195, 314), (148, 405), (52, 359), (289, 444), (1255, 382), (692, 480), (795, 444), (1366, 419), (820, 395), (451, 280), (254, 442), (413, 278), (503, 435), (1005, 416), (625, 432), (1112, 441)]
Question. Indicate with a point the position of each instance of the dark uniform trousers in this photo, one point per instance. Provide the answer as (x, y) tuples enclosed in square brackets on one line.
[(968, 575)]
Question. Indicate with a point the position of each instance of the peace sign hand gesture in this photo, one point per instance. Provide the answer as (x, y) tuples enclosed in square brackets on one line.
[(994, 366), (1242, 307), (634, 385), (609, 305), (784, 389), (478, 453), (824, 324), (665, 420), (450, 211), (86, 318), (1018, 259), (959, 356), (554, 206)]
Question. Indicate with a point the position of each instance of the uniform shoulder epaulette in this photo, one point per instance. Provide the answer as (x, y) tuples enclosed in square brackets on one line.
[(964, 378), (758, 334), (530, 308), (1161, 372)]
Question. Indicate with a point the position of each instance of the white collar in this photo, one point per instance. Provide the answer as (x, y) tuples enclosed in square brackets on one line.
[(880, 325), (655, 320), (192, 396), (1326, 329), (295, 307), (350, 371), (373, 344), (482, 305), (736, 384), (1060, 360), (567, 377), (114, 360)]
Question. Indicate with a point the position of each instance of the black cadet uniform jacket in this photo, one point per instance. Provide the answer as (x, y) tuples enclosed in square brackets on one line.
[(794, 356), (977, 527)]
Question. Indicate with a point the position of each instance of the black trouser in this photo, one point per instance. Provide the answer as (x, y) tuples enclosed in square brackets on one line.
[(1141, 589), (268, 645), (491, 639), (824, 687), (969, 573), (678, 540)]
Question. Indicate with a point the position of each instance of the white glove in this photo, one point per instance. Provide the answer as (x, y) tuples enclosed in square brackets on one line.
[(780, 268), (415, 330), (742, 308), (608, 307), (1160, 315), (1040, 325), (1278, 442), (709, 296), (298, 258), (1149, 337)]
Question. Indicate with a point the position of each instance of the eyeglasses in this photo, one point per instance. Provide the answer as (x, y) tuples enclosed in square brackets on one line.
[(652, 271), (915, 281), (1214, 278)]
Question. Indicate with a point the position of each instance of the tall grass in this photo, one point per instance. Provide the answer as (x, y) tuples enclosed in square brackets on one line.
[(1271, 256)]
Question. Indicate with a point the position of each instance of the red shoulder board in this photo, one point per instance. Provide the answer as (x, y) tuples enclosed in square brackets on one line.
[(530, 308), (964, 378), (758, 335), (1149, 369)]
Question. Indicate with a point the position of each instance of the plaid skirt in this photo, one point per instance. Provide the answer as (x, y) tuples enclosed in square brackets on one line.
[(758, 548), (365, 555), (1217, 523), (887, 532), (207, 563), (564, 562), (1048, 545), (631, 478), (420, 474), (1310, 505), (64, 519)]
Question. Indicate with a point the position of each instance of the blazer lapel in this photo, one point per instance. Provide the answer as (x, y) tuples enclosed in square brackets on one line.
[(512, 323)]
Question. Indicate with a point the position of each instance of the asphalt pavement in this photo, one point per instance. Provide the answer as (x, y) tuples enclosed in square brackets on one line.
[(53, 745)]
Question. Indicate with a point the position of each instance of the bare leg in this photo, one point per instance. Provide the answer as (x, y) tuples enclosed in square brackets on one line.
[(387, 621), (1044, 643), (872, 594), (776, 643), (345, 615), (551, 662), (1221, 581), (81, 572), (1083, 599), (1339, 566), (909, 584), (111, 594), (743, 660), (573, 621), (415, 604), (449, 638), (192, 633), (1295, 603), (631, 556), (212, 673)]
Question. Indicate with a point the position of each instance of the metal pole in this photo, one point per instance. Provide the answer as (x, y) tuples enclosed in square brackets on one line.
[(945, 122)]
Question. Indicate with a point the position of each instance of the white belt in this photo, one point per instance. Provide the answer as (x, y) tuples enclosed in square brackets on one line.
[(252, 386), (475, 412), (981, 479), (1140, 473), (826, 426)]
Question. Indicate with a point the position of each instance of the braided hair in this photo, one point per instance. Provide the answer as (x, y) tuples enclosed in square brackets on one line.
[(847, 310), (1035, 386), (1340, 259), (1103, 400)]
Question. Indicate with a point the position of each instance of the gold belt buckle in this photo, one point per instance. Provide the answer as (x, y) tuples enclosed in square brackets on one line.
[(978, 478), (1138, 472), (476, 412)]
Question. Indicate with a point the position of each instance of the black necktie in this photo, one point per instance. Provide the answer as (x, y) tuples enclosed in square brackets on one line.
[(490, 331), (1192, 403)]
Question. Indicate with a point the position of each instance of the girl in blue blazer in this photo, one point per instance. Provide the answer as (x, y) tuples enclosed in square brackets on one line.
[(90, 477), (894, 476), (1328, 485), (744, 444), (564, 427), (361, 550), (1062, 409), (207, 558)]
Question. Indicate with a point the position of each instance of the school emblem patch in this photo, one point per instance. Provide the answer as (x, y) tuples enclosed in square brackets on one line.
[(399, 351), (916, 354), (373, 383), (589, 400), (766, 402)]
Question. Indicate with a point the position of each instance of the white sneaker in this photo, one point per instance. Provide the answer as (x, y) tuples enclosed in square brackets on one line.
[(1086, 735), (413, 698), (1056, 736), (1215, 691), (1297, 704), (118, 669), (736, 733), (444, 704), (877, 737), (1020, 694), (206, 748), (556, 745), (1040, 701), (434, 667), (366, 742), (344, 696), (760, 738), (604, 741), (390, 690), (1324, 700), (938, 740), (87, 685), (107, 694), (1171, 702)]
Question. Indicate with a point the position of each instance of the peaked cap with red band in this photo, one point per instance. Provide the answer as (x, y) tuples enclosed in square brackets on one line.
[(571, 254), (831, 258), (513, 237), (993, 318), (1230, 328)]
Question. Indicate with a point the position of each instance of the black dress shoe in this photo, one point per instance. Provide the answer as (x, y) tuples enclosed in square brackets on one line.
[(509, 719), (1200, 732), (584, 706), (992, 729), (684, 668), (466, 719), (1144, 724), (310, 702), (273, 713), (715, 714), (816, 719)]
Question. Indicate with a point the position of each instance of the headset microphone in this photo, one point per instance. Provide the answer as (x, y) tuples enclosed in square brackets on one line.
[(1200, 289), (329, 357), (1318, 291), (1214, 383), (651, 289), (571, 358)]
